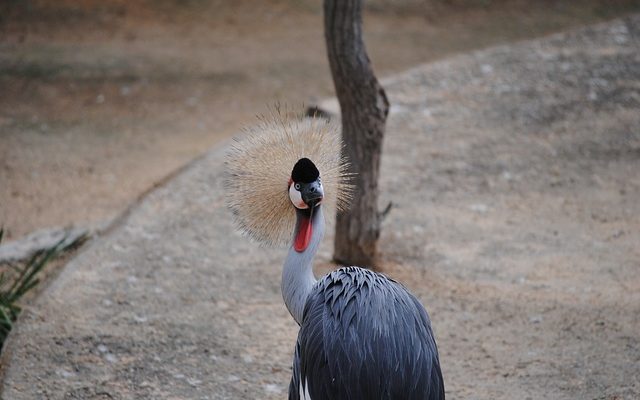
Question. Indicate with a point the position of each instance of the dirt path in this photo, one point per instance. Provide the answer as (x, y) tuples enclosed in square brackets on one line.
[(514, 177), (100, 101)]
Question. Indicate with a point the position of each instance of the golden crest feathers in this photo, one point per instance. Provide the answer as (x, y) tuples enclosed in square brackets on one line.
[(259, 167)]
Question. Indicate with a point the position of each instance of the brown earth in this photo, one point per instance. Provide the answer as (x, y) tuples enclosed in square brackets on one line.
[(102, 100), (514, 177)]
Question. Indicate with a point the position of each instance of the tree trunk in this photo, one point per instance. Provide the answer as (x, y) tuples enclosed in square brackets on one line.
[(364, 107)]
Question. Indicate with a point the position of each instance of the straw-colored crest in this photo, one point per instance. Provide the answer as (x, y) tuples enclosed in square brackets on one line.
[(259, 167)]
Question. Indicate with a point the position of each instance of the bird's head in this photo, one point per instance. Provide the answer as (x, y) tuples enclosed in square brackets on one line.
[(278, 151), (305, 186), (305, 193)]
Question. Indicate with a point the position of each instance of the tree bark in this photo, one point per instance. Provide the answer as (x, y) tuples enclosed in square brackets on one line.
[(364, 107)]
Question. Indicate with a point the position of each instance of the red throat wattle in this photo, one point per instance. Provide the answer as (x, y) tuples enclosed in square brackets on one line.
[(303, 236)]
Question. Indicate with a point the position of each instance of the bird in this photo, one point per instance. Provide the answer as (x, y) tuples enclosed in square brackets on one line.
[(362, 334)]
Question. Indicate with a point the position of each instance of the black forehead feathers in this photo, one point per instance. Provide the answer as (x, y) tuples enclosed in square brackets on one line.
[(304, 171)]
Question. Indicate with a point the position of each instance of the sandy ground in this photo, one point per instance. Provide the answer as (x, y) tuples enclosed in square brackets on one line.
[(516, 221), (102, 100)]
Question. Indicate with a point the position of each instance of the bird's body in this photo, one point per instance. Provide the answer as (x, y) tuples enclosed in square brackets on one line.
[(362, 335)]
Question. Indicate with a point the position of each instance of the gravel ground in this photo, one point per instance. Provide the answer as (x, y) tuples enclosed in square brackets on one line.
[(514, 177)]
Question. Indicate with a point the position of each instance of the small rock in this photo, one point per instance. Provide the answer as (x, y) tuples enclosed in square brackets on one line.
[(140, 319), (43, 239), (193, 382), (486, 69), (536, 319), (479, 208), (617, 234), (64, 373), (272, 388), (247, 358)]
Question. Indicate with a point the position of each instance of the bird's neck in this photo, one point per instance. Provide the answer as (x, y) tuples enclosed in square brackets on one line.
[(297, 274)]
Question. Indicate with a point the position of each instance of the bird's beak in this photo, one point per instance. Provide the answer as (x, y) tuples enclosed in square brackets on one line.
[(312, 194)]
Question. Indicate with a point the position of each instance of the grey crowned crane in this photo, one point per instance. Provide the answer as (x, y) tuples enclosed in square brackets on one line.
[(362, 335)]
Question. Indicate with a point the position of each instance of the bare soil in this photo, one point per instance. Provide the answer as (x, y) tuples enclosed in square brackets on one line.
[(102, 100), (513, 173)]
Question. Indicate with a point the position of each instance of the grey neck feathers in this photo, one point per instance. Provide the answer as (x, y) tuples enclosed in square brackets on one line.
[(297, 274)]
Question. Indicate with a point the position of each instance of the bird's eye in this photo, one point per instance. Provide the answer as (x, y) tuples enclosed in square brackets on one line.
[(297, 186)]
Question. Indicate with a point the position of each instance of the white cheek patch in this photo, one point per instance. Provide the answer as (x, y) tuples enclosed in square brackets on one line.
[(296, 198)]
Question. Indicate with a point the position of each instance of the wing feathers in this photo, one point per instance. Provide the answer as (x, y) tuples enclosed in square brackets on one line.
[(365, 336)]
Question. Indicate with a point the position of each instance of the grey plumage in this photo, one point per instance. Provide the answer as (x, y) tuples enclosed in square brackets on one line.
[(364, 336)]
